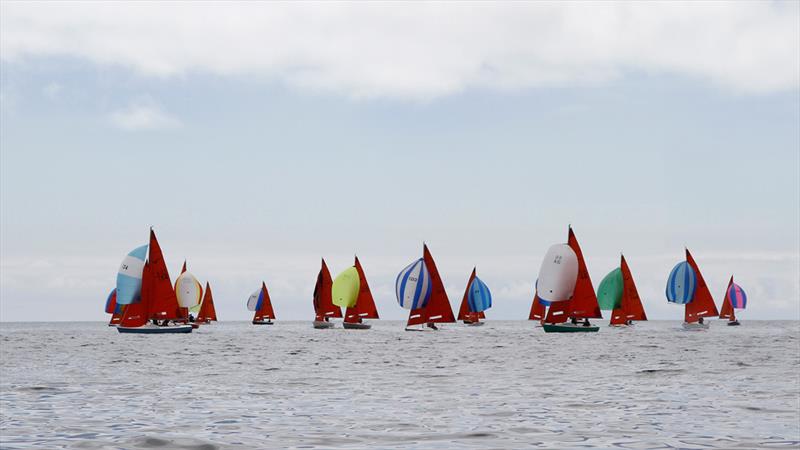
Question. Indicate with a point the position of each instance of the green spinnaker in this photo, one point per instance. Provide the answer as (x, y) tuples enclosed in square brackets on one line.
[(609, 292), (345, 288)]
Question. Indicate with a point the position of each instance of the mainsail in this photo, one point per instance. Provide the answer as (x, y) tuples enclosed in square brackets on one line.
[(365, 304), (702, 305), (207, 312), (323, 300), (438, 309)]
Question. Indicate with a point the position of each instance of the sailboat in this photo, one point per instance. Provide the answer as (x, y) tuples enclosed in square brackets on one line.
[(207, 313), (364, 307), (437, 307), (114, 309), (686, 286), (324, 309), (572, 301), (145, 287), (617, 292), (476, 300), (188, 291), (735, 298), (260, 303)]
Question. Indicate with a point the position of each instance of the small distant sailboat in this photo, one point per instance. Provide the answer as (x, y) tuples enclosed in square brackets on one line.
[(364, 307), (565, 287), (260, 302), (617, 292), (114, 309), (189, 292), (207, 313), (686, 286), (477, 299), (145, 287), (436, 306), (324, 309), (735, 298)]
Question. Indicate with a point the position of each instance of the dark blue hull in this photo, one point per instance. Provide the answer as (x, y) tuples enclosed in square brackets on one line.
[(156, 330)]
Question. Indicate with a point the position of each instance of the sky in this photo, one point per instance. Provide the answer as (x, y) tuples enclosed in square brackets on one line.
[(257, 138)]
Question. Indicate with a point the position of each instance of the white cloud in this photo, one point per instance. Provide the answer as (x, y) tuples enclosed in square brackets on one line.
[(143, 114), (423, 50)]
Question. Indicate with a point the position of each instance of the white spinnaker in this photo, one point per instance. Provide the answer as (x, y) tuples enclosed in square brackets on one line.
[(188, 290), (558, 274), (252, 302)]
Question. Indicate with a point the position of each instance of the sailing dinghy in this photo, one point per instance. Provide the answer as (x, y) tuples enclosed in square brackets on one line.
[(430, 309), (145, 287), (324, 309), (477, 299), (207, 313), (617, 292), (565, 287), (735, 298), (364, 307), (189, 292), (260, 302), (686, 286)]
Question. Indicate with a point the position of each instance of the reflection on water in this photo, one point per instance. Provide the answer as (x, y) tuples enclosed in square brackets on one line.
[(503, 385)]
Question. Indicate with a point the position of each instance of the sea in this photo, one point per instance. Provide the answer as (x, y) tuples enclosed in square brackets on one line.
[(504, 385)]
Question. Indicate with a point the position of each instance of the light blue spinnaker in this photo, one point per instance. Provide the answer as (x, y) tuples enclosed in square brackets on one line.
[(129, 277)]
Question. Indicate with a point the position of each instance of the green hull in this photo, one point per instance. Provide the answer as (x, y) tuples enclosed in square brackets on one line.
[(563, 328)]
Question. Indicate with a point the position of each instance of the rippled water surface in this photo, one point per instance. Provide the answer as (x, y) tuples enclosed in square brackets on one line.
[(504, 385)]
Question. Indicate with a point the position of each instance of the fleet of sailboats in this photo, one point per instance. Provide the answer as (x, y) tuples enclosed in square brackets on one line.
[(145, 301)]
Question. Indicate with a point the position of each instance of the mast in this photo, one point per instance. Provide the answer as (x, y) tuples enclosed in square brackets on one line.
[(265, 311), (323, 299), (438, 309), (703, 303), (583, 304), (727, 308), (365, 304)]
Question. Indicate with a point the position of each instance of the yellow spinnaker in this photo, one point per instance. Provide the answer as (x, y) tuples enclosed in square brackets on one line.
[(345, 288)]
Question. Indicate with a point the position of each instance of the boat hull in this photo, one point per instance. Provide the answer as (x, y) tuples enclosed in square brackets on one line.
[(356, 326), (695, 326), (263, 322), (156, 329), (420, 329), (322, 325), (733, 323), (474, 324), (569, 328)]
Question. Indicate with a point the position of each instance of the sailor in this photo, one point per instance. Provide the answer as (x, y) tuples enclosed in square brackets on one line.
[(700, 321), (574, 320), (191, 317), (586, 322), (432, 326)]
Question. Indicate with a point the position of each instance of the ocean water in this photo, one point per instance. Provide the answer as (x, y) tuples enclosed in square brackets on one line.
[(504, 385)]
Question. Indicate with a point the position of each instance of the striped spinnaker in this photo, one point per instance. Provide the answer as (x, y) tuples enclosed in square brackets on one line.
[(413, 285), (681, 284), (737, 296), (479, 297)]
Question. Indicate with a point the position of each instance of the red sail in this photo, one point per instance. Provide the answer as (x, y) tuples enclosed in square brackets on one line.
[(438, 309), (727, 307), (116, 318), (163, 302), (463, 312), (266, 311), (207, 311), (584, 300), (537, 309), (558, 312), (365, 304), (323, 299), (631, 302), (137, 314), (703, 304)]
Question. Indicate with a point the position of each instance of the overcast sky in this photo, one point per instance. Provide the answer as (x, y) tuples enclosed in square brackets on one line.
[(257, 138)]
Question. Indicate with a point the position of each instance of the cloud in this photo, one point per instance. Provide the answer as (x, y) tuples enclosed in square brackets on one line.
[(143, 114), (423, 50)]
